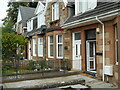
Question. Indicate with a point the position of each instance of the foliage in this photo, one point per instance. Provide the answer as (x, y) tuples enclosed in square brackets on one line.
[(8, 28), (10, 43), (31, 65), (10, 71), (6, 66), (12, 11), (41, 64)]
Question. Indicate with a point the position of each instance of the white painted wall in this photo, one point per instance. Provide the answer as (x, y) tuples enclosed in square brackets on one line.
[(41, 19), (40, 12), (19, 18)]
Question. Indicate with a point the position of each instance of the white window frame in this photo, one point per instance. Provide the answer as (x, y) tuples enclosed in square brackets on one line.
[(40, 44), (55, 11), (57, 43), (34, 46), (85, 5), (49, 46), (116, 42)]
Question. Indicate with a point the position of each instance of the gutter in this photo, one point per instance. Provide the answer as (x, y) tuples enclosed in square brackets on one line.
[(103, 32), (105, 15)]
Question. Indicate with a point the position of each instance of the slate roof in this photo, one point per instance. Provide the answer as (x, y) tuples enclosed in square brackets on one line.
[(102, 7), (26, 13), (40, 31), (53, 29)]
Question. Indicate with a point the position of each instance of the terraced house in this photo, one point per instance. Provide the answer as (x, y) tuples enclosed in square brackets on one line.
[(92, 37), (83, 33)]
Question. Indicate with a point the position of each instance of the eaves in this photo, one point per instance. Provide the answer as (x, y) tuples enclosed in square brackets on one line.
[(91, 20)]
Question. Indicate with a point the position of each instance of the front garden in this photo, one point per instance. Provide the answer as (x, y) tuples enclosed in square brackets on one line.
[(23, 66)]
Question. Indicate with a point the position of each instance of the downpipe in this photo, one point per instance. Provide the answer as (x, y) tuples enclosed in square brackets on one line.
[(103, 32)]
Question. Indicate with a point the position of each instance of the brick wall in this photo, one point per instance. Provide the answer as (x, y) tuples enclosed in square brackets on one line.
[(118, 51), (109, 48), (54, 33), (37, 57)]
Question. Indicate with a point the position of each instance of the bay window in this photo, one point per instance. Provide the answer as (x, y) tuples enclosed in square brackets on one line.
[(59, 40), (55, 11), (40, 47), (50, 46)]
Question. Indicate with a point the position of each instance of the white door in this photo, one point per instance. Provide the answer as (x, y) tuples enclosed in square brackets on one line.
[(76, 62), (91, 58)]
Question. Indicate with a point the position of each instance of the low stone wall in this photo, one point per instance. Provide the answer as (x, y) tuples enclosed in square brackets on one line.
[(40, 75)]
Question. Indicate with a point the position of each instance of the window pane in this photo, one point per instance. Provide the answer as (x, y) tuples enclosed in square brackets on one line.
[(91, 49), (51, 39), (41, 40), (51, 50), (59, 38), (40, 46), (60, 50), (34, 47), (41, 49), (55, 11), (77, 36), (92, 4), (91, 64)]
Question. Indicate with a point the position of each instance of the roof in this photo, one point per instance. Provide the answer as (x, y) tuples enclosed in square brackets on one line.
[(53, 29), (40, 31), (102, 7), (26, 13)]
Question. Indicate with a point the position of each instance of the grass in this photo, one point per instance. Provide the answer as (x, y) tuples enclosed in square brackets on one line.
[(13, 71)]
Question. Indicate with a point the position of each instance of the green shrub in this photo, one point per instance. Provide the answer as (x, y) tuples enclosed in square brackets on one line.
[(39, 65)]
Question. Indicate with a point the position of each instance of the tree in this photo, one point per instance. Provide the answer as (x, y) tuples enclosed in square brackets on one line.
[(12, 12), (10, 43), (8, 28)]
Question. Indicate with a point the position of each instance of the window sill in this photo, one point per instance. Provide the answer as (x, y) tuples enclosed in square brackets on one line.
[(40, 56), (34, 55), (59, 57), (50, 57), (116, 63)]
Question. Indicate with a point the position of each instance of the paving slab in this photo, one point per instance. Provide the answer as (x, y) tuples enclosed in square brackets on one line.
[(94, 83), (40, 82)]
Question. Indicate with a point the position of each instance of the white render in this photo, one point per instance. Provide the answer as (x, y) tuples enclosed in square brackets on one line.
[(40, 15)]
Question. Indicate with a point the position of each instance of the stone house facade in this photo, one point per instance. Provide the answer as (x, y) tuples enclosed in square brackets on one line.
[(56, 14), (91, 36), (86, 35)]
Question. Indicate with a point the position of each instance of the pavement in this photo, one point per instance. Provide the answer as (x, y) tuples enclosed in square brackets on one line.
[(94, 83)]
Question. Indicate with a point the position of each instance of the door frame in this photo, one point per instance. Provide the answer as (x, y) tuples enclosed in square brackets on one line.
[(73, 53), (87, 56)]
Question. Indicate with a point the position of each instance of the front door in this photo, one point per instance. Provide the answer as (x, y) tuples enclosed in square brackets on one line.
[(91, 57), (76, 62)]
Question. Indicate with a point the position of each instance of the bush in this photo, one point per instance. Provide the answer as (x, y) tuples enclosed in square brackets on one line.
[(6, 66), (39, 65), (31, 65)]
